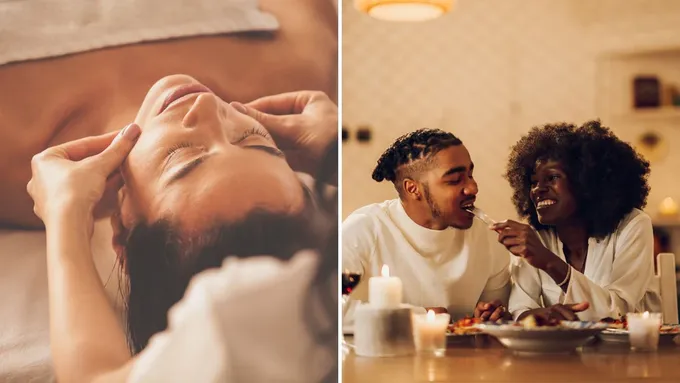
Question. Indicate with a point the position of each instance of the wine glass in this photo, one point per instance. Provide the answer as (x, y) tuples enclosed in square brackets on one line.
[(350, 280)]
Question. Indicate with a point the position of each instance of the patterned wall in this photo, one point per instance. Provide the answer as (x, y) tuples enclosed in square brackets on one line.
[(488, 71)]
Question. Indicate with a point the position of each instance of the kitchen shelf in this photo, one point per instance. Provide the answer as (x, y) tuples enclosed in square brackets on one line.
[(664, 114)]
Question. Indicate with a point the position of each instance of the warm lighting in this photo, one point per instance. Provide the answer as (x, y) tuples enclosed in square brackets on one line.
[(430, 316), (668, 207), (645, 314), (385, 272), (404, 10)]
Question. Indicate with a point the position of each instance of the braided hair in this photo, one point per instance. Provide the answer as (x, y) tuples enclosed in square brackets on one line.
[(412, 154)]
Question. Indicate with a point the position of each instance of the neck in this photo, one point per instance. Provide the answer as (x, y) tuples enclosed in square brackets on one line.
[(574, 236), (422, 217)]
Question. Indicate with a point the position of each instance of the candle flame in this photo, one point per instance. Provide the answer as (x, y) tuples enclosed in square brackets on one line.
[(430, 316), (385, 271)]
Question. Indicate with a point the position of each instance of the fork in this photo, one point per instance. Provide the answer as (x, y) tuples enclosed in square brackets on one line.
[(481, 215)]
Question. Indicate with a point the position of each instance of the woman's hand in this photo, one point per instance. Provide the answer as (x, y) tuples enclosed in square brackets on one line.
[(303, 124), (558, 311), (521, 240), (80, 176)]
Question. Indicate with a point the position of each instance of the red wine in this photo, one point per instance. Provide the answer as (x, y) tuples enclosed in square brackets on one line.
[(349, 282)]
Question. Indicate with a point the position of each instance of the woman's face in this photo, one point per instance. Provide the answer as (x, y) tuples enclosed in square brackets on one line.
[(551, 194), (198, 160)]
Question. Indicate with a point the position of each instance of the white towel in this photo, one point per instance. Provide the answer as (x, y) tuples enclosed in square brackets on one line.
[(35, 29)]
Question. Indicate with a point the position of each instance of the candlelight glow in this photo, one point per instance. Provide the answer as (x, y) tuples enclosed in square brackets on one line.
[(645, 314), (668, 206), (430, 316), (385, 271)]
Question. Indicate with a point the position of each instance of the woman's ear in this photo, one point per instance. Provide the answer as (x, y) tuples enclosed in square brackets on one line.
[(122, 221), (120, 235)]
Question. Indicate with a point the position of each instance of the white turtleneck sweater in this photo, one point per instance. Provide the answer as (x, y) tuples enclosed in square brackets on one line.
[(449, 268)]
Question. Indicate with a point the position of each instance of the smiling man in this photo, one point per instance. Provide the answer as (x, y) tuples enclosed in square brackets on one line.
[(444, 258)]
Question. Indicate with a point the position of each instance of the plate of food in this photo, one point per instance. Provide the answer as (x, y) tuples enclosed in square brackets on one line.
[(617, 331), (464, 327), (464, 331), (538, 335)]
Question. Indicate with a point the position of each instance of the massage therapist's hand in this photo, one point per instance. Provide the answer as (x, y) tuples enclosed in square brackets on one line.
[(79, 176), (491, 311), (521, 240), (303, 124)]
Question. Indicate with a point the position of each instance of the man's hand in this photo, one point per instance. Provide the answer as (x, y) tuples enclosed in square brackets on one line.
[(491, 311)]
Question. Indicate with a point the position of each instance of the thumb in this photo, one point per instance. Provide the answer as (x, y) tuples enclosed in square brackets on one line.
[(114, 155), (578, 307), (285, 128), (268, 120)]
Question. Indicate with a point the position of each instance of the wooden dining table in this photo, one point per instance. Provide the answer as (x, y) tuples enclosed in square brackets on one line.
[(485, 360)]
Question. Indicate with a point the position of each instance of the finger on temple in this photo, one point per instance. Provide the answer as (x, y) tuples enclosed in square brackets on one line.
[(281, 104), (85, 147)]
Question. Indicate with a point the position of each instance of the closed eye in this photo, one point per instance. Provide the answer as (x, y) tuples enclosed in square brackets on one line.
[(254, 131)]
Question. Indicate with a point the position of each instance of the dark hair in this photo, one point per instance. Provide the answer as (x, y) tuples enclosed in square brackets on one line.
[(406, 150), (160, 262), (606, 175)]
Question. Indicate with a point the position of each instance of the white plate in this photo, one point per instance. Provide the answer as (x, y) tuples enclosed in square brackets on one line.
[(617, 335), (558, 339)]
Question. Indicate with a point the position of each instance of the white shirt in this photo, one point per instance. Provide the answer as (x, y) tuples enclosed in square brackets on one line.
[(449, 268), (618, 276), (244, 322)]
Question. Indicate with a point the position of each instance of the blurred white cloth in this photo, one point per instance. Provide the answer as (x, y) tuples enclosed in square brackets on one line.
[(618, 277), (244, 322), (35, 29)]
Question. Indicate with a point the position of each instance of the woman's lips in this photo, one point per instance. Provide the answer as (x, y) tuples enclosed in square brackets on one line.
[(182, 91)]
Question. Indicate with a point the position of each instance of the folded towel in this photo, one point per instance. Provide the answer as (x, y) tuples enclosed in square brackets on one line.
[(35, 29)]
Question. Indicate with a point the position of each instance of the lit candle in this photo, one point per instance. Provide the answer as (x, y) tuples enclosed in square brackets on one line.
[(384, 291), (429, 332), (643, 330)]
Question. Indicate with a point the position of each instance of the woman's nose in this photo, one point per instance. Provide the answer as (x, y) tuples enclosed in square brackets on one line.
[(204, 112)]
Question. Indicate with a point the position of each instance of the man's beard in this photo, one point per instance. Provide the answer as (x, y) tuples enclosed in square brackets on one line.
[(435, 211)]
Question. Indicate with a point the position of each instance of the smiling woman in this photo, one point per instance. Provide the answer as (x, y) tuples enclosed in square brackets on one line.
[(588, 242)]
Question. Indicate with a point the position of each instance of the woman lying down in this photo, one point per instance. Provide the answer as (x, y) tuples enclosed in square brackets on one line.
[(200, 183)]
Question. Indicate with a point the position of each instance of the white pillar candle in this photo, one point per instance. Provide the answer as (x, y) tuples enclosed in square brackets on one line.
[(643, 330), (384, 291), (429, 332)]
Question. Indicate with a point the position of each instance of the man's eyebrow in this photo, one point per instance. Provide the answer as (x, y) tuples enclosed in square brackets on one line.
[(458, 169)]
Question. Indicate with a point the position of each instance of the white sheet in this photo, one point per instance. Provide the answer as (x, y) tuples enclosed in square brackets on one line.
[(24, 326)]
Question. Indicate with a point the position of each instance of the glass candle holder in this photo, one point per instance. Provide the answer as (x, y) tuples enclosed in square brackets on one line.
[(429, 332), (643, 330)]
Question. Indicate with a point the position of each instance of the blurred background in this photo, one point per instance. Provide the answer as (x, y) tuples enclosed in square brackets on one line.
[(489, 70)]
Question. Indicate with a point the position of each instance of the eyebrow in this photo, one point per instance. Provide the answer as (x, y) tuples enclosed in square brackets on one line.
[(190, 166), (458, 169)]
